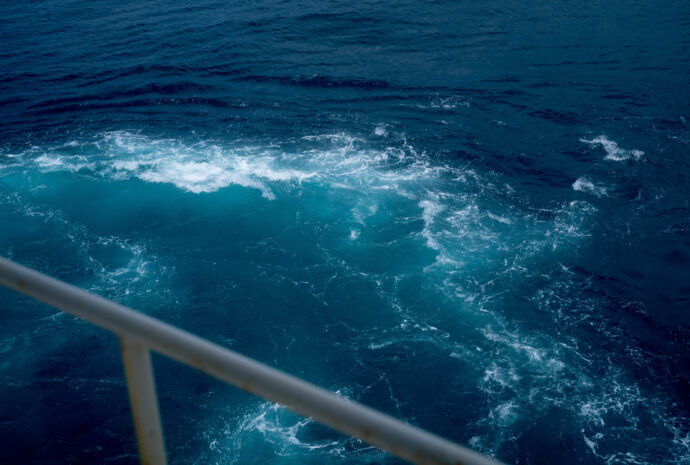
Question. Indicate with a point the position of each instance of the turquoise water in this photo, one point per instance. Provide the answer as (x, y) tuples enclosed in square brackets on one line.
[(472, 217)]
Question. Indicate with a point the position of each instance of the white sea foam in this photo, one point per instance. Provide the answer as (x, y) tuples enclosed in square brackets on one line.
[(527, 348), (500, 376), (613, 151), (504, 414), (281, 428), (592, 442), (205, 170), (380, 345), (272, 427), (126, 165), (56, 162), (571, 222), (195, 169), (512, 386), (124, 277), (430, 209), (446, 103), (500, 219), (583, 184), (364, 210), (200, 177)]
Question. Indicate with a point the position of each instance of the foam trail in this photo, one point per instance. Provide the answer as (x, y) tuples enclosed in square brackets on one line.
[(430, 210), (613, 151), (201, 177), (195, 169)]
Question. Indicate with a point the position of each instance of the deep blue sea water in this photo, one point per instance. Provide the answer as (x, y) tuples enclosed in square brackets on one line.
[(471, 215)]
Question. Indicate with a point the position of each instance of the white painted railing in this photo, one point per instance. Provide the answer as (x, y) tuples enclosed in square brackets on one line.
[(139, 334)]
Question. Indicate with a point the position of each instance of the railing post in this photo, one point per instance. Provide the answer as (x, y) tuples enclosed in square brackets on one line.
[(136, 358)]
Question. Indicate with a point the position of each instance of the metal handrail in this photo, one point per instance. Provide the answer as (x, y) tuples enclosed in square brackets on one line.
[(139, 334)]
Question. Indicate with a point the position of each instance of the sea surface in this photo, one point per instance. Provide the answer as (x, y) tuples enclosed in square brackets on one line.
[(471, 215)]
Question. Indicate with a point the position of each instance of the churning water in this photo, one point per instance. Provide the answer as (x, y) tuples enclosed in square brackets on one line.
[(471, 215)]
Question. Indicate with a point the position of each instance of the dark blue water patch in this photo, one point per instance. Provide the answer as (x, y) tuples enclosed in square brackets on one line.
[(321, 82)]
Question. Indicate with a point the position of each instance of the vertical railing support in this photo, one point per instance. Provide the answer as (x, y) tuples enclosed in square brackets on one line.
[(144, 401)]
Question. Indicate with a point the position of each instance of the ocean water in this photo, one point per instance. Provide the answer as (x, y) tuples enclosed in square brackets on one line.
[(471, 215)]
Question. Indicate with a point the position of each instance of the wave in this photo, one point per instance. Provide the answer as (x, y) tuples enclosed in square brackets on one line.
[(613, 151), (197, 170)]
